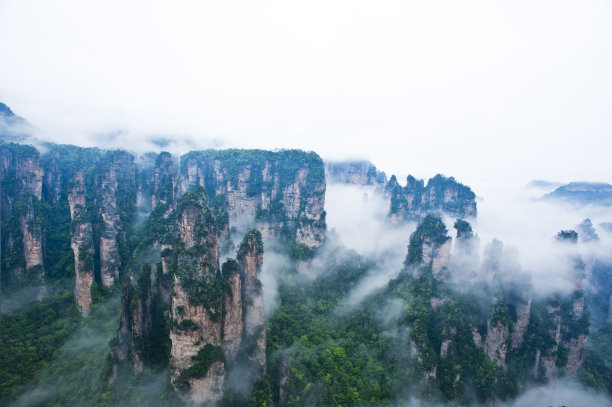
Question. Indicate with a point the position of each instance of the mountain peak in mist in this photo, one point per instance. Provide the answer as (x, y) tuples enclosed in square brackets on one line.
[(6, 111), (583, 193), (358, 172), (12, 127)]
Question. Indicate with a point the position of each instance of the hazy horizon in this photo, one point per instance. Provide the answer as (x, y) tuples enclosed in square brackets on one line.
[(486, 92)]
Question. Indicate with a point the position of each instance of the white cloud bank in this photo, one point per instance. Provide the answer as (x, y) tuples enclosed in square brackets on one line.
[(490, 92)]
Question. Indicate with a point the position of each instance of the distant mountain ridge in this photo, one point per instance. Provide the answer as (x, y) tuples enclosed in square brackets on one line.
[(13, 128), (5, 110), (583, 193)]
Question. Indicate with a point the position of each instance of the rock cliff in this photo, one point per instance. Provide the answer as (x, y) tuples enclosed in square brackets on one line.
[(22, 214), (429, 248), (354, 172), (250, 257), (82, 243), (465, 259), (441, 194), (513, 330), (281, 193), (217, 315), (197, 361), (165, 188), (115, 202), (135, 323), (233, 326), (95, 196)]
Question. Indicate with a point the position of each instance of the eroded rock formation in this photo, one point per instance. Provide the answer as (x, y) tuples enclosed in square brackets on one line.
[(354, 172), (20, 208), (281, 193), (116, 188), (82, 243), (441, 194), (250, 257)]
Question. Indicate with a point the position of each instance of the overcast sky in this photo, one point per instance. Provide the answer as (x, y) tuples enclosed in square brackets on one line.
[(487, 91)]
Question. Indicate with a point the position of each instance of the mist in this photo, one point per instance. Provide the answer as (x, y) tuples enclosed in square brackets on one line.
[(275, 266), (514, 215), (358, 216), (77, 364), (563, 392), (527, 224), (435, 86), (23, 297)]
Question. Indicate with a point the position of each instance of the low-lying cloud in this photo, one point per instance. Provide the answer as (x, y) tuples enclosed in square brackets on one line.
[(358, 215)]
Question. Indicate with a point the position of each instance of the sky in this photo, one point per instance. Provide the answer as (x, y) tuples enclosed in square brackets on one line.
[(493, 93)]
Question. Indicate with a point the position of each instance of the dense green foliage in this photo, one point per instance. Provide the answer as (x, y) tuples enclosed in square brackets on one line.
[(415, 336), (597, 369), (362, 355), (31, 335), (252, 242), (464, 197), (431, 229), (206, 356), (464, 229)]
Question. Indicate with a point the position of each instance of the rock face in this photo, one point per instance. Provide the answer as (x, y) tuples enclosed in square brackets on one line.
[(21, 210), (511, 296), (439, 255), (429, 248), (21, 164), (575, 319), (441, 194), (546, 359), (576, 351), (509, 323), (123, 347), (233, 326), (281, 193), (135, 323), (196, 357), (82, 242), (523, 315), (575, 339), (250, 257), (217, 315), (165, 188), (465, 260), (52, 178), (141, 315), (495, 344), (284, 377), (568, 327), (116, 189), (32, 234), (354, 172)]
